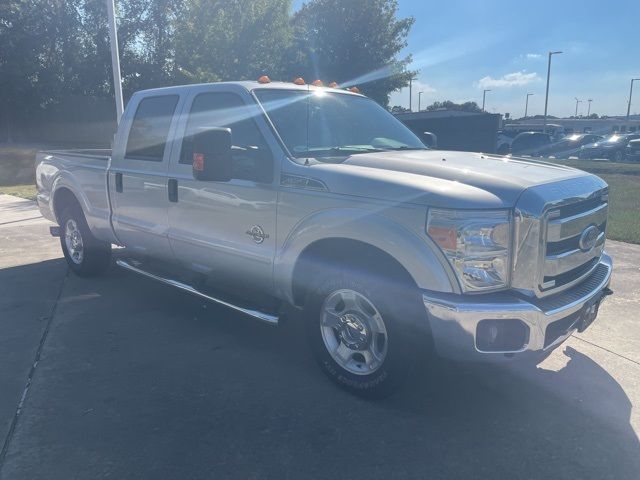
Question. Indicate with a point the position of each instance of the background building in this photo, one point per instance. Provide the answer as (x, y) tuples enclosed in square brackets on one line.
[(456, 130)]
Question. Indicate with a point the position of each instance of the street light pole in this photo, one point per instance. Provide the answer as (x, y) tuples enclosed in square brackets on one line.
[(526, 105), (484, 94), (410, 92), (589, 108), (546, 97), (419, 99), (630, 95), (115, 59)]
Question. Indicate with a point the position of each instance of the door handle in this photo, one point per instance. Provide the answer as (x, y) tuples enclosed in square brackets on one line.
[(119, 186), (172, 190)]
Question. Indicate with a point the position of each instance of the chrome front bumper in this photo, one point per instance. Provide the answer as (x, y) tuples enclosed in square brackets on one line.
[(551, 320)]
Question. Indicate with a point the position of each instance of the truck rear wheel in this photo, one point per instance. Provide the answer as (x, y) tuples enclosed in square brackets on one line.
[(85, 255), (359, 334)]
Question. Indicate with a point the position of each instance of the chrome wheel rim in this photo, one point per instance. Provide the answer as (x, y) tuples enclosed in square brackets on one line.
[(353, 332), (73, 241)]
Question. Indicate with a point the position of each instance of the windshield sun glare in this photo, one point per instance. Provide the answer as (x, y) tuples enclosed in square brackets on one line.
[(326, 125)]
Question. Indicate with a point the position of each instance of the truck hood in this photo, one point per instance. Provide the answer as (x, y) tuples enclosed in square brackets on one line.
[(441, 178)]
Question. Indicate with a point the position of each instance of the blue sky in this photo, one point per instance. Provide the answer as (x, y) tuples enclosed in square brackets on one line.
[(464, 46)]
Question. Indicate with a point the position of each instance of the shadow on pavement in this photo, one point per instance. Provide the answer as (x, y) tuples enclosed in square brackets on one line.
[(138, 380)]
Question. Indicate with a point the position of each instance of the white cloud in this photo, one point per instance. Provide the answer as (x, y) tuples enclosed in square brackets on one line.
[(534, 56), (515, 79), (418, 86)]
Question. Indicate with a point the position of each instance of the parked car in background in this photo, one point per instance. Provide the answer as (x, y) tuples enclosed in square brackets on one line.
[(632, 153), (530, 143), (569, 145), (612, 147), (511, 130)]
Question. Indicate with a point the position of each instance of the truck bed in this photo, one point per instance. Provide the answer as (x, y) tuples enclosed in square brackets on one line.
[(92, 153), (83, 172)]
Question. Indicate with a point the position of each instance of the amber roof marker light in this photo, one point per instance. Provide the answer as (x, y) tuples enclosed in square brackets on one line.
[(354, 90), (299, 81), (333, 85), (264, 79), (317, 83)]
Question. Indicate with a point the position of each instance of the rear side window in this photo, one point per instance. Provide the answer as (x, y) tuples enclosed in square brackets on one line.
[(148, 134)]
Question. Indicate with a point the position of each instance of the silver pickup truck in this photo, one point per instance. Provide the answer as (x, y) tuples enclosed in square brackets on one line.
[(270, 197)]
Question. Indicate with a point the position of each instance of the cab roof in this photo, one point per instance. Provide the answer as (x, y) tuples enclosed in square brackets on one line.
[(251, 85)]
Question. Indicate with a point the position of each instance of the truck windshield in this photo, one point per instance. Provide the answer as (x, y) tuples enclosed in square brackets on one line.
[(331, 126)]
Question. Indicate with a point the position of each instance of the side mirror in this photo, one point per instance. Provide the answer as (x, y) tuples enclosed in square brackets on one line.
[(212, 155), (429, 139)]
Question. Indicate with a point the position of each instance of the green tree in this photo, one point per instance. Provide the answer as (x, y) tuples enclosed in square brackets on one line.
[(231, 40), (449, 105), (51, 50), (39, 50), (18, 66), (149, 34), (145, 39), (95, 68), (352, 42)]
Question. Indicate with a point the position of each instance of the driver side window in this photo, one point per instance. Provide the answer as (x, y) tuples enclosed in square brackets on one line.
[(251, 156)]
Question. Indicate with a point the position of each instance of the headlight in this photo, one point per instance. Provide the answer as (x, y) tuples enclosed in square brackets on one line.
[(477, 245)]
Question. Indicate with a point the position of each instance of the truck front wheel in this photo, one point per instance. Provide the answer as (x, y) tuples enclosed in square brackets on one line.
[(359, 333), (85, 255)]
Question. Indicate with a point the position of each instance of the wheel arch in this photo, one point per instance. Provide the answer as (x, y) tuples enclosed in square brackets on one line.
[(363, 238), (335, 252), (63, 197), (67, 190)]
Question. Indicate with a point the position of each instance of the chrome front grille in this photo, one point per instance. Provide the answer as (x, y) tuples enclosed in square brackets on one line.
[(550, 219), (569, 228), (566, 261)]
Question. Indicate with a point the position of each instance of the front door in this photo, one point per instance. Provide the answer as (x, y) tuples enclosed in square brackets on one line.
[(138, 178), (226, 230)]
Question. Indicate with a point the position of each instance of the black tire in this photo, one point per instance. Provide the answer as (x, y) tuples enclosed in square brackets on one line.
[(406, 340), (95, 258)]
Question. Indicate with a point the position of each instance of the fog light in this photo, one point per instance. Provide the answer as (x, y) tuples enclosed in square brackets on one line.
[(502, 335)]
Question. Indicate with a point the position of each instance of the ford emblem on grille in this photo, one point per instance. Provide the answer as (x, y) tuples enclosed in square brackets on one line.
[(588, 238)]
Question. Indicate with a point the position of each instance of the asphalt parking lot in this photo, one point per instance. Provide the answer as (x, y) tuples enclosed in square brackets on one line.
[(120, 377)]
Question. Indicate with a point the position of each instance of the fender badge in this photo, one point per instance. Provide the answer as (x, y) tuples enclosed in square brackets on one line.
[(257, 234)]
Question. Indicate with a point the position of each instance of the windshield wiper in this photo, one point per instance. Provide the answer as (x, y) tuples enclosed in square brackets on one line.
[(340, 150), (347, 150), (405, 147), (358, 149)]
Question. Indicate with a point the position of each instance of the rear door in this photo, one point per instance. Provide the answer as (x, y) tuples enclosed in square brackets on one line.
[(227, 230), (138, 175)]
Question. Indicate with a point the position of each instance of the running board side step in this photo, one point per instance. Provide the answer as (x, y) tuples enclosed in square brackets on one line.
[(265, 317)]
